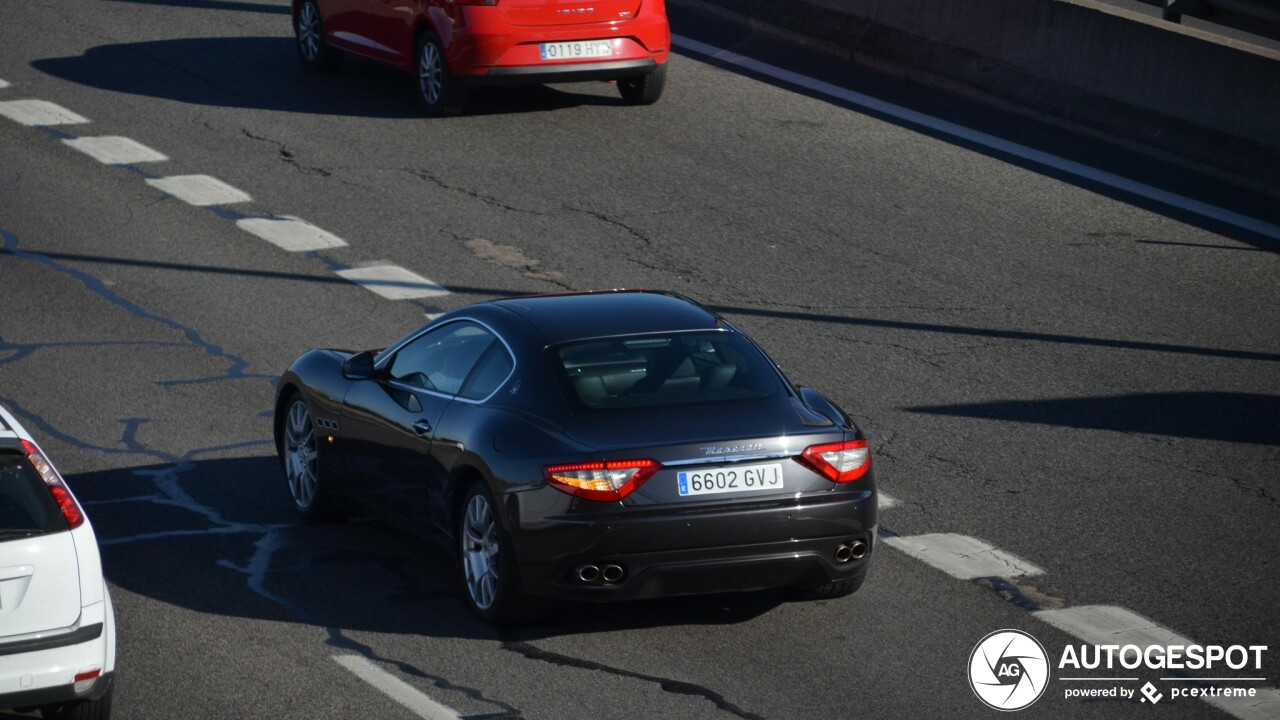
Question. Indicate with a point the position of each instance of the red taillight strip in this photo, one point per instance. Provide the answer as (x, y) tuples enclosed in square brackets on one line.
[(644, 469), (71, 512), (812, 458)]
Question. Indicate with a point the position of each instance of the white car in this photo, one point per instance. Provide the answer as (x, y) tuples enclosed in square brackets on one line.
[(57, 629)]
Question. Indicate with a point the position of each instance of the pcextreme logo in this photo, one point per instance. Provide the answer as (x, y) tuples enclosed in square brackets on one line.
[(1008, 670)]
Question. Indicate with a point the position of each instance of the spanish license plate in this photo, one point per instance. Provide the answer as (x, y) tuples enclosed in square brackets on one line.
[(741, 478), (577, 49)]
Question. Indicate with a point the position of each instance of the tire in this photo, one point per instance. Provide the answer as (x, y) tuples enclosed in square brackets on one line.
[(645, 89), (835, 588), (300, 458), (440, 93), (308, 30), (99, 709), (488, 564)]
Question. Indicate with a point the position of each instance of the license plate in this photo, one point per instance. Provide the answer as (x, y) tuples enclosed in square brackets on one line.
[(578, 49), (742, 478)]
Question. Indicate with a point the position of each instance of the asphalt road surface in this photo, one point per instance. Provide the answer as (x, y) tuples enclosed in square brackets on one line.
[(1082, 378)]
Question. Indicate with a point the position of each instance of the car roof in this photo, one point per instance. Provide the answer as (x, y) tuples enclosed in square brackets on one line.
[(579, 316)]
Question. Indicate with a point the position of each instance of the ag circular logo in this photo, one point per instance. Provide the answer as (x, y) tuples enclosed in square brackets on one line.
[(1008, 670)]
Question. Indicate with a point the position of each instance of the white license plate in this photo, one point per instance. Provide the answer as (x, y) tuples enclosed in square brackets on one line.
[(741, 478), (575, 50)]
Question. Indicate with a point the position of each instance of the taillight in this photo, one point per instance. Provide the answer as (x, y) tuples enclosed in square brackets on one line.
[(605, 481), (839, 462), (477, 2), (70, 510)]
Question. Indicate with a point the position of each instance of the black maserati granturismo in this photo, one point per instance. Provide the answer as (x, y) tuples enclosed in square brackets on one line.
[(598, 446)]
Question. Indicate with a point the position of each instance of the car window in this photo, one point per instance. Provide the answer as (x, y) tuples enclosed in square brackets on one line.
[(492, 371), (441, 359), (664, 370), (25, 502)]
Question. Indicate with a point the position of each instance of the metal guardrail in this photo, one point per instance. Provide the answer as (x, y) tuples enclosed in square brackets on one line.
[(1261, 17)]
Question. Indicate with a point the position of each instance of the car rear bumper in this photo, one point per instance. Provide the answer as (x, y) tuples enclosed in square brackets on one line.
[(786, 544), (489, 50), (575, 72), (56, 695)]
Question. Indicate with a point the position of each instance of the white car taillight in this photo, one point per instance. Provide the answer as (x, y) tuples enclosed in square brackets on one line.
[(70, 510)]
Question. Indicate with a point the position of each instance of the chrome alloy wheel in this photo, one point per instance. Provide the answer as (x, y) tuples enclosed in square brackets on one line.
[(480, 551), (430, 73), (309, 32), (300, 455)]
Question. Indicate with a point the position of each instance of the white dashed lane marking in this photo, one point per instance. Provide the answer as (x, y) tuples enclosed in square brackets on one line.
[(1111, 625), (202, 190), (115, 150), (886, 500), (396, 689), (291, 233), (963, 557), (36, 113), (3, 84), (393, 282)]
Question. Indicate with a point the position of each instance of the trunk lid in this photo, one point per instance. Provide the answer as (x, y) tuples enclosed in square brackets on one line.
[(39, 584), (746, 449), (567, 12)]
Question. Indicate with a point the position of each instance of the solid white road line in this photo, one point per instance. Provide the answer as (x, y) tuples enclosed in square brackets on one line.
[(396, 689), (1111, 625), (39, 112), (202, 190), (115, 150), (290, 233), (962, 556), (979, 138), (393, 282)]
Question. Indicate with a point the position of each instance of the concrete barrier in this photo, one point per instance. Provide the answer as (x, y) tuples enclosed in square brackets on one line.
[(1211, 99)]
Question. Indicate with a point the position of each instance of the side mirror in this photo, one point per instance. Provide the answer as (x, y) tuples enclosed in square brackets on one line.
[(359, 366)]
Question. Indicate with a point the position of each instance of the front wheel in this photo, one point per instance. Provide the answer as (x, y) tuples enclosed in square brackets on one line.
[(315, 53), (299, 454), (645, 89), (439, 91)]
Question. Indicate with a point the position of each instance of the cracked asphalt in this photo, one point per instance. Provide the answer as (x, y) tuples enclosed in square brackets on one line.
[(1087, 383)]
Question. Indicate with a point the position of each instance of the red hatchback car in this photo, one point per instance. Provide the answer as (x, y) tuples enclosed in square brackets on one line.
[(451, 45)]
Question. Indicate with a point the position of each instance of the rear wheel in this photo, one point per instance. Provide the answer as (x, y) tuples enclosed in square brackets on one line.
[(99, 709), (489, 565), (315, 53), (645, 89), (439, 91), (835, 588), (301, 459)]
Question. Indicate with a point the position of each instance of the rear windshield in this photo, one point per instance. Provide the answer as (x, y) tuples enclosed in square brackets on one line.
[(26, 506), (664, 370)]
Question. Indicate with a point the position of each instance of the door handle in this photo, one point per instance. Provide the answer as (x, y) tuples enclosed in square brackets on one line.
[(422, 428)]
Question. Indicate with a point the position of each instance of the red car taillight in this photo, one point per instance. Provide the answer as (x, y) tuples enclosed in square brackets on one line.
[(70, 510), (839, 462), (604, 481)]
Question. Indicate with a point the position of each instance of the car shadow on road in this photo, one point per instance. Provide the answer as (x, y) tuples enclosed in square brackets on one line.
[(220, 537), (216, 5), (263, 73), (1228, 416)]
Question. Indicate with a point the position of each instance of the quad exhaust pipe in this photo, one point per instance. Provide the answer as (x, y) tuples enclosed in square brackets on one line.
[(855, 550), (610, 573)]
